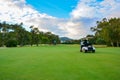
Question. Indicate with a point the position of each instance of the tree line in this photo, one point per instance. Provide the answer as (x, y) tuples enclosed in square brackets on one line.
[(107, 32), (16, 34)]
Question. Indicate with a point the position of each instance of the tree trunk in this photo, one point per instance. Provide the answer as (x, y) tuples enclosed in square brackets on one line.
[(117, 44), (37, 44), (112, 44)]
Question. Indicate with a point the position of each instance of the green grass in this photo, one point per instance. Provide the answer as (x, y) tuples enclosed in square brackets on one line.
[(61, 62)]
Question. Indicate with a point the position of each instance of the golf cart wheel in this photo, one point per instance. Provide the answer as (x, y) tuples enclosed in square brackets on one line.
[(85, 51), (80, 50), (93, 51)]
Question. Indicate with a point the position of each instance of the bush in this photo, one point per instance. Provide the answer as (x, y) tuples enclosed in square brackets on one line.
[(11, 43)]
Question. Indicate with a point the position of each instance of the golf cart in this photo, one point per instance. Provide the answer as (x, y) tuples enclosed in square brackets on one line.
[(89, 48)]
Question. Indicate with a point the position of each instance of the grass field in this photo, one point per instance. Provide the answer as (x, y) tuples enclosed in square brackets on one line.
[(61, 62)]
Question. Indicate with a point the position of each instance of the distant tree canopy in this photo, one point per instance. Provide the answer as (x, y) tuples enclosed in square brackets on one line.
[(108, 31), (18, 34)]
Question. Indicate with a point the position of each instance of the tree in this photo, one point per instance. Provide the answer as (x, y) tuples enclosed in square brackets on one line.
[(20, 33), (35, 35), (4, 28), (15, 33), (108, 30)]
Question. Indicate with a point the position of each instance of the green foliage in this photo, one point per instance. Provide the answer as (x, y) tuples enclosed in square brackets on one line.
[(100, 41), (108, 30), (11, 43), (1, 40), (24, 37), (60, 62)]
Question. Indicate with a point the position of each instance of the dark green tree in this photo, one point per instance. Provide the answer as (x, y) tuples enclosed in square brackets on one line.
[(108, 30)]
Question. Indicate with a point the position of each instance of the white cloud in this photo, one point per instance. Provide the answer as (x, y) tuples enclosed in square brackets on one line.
[(110, 8), (93, 8), (82, 10), (88, 12), (17, 11), (81, 18), (73, 29)]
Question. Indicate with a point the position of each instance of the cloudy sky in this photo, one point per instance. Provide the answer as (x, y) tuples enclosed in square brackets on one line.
[(71, 18)]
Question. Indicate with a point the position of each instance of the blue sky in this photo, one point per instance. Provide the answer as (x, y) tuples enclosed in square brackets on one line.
[(70, 18), (57, 8)]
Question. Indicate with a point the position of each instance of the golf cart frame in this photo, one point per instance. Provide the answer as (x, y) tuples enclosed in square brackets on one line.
[(87, 48)]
